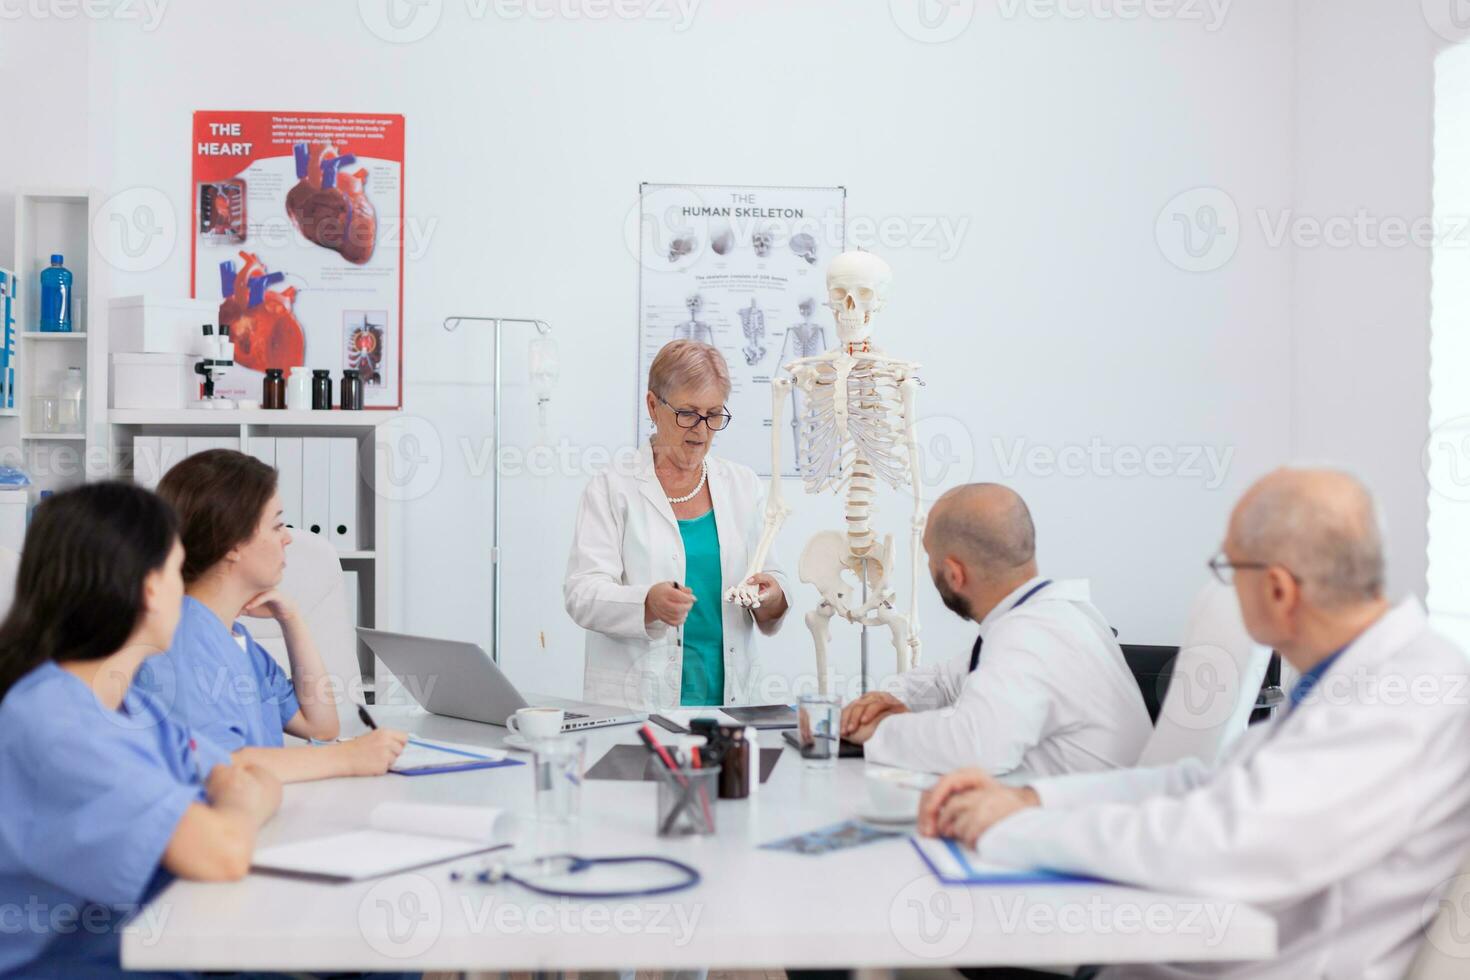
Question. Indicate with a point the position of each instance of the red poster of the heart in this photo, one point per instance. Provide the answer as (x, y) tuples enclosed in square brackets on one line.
[(298, 231)]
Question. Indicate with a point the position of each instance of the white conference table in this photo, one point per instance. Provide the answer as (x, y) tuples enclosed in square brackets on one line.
[(874, 905)]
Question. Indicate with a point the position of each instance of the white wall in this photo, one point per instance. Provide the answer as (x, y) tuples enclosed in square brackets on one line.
[(1059, 320), (46, 137), (1363, 153)]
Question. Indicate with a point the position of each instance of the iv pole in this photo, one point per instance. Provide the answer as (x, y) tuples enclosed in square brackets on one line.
[(451, 323)]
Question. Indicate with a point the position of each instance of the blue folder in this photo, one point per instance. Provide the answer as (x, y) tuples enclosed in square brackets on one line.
[(952, 864), (471, 761)]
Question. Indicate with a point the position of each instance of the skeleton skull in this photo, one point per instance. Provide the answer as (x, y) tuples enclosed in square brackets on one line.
[(681, 246), (694, 303), (805, 246), (761, 240), (857, 287)]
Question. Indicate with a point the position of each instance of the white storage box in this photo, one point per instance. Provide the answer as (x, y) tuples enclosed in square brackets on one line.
[(154, 380), (14, 504), (150, 325)]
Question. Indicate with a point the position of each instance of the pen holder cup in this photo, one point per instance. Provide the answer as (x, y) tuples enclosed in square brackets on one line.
[(686, 802)]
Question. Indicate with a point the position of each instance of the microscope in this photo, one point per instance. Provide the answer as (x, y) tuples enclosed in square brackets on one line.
[(214, 368)]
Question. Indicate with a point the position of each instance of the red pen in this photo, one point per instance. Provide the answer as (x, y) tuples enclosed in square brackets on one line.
[(646, 734), (709, 820)]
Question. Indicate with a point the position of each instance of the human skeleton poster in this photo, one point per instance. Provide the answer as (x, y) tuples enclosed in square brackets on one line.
[(741, 268)]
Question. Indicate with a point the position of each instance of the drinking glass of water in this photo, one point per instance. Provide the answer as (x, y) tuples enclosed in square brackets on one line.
[(819, 726), (556, 764)]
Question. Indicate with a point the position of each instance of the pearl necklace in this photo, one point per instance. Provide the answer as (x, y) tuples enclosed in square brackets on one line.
[(703, 473)]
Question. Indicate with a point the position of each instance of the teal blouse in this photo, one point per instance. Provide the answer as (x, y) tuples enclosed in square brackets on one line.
[(703, 681)]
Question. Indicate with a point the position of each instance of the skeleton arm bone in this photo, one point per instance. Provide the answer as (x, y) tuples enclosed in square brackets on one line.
[(916, 534), (745, 593)]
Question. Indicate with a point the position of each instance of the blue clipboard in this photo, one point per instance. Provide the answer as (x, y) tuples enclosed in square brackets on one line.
[(472, 761), (951, 865)]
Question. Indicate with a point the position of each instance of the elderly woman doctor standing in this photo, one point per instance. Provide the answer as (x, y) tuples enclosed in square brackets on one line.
[(654, 551)]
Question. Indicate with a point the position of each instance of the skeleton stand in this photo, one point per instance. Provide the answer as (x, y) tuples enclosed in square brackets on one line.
[(863, 639)]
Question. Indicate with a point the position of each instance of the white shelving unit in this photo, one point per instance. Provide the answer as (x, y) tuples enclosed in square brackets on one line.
[(376, 513), (60, 220), (46, 222)]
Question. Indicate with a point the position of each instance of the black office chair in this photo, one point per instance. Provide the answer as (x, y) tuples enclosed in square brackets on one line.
[(1153, 668)]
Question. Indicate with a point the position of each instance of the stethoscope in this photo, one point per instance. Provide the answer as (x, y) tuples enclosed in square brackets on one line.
[(554, 865)]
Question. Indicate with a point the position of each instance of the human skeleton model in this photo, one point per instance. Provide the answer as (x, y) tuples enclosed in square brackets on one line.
[(804, 339), (858, 429), (753, 322), (694, 328)]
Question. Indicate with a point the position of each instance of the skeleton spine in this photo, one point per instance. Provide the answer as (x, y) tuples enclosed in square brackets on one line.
[(859, 502)]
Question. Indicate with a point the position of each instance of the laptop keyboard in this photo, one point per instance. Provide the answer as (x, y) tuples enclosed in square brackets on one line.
[(573, 714)]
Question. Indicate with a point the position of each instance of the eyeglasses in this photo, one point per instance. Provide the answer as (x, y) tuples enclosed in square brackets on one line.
[(1224, 569), (687, 419)]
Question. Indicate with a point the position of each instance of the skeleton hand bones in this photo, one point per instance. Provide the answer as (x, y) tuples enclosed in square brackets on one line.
[(755, 590)]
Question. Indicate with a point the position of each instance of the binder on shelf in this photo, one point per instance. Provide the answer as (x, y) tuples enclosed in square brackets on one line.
[(342, 495), (146, 461), (262, 448), (316, 475), (171, 450), (14, 505), (288, 479)]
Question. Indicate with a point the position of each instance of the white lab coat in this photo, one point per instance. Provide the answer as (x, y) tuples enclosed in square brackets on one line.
[(627, 539), (1340, 817), (1052, 695)]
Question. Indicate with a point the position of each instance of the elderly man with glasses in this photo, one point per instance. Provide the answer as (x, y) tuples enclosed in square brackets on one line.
[(1342, 817)]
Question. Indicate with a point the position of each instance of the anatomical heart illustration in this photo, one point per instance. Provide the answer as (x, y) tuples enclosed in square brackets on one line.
[(262, 320), (324, 292), (329, 204)]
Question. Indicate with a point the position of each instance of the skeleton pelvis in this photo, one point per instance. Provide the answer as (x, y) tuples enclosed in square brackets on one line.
[(828, 563)]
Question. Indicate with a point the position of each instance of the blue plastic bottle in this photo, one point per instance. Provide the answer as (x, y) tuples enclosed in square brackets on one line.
[(56, 298)]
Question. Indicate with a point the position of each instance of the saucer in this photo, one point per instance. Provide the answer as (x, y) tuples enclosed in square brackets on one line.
[(889, 818), (517, 742)]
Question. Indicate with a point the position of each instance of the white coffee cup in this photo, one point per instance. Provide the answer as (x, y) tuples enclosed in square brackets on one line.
[(536, 722), (892, 792)]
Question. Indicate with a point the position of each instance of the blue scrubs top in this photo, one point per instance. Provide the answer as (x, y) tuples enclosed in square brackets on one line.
[(91, 798), (233, 696)]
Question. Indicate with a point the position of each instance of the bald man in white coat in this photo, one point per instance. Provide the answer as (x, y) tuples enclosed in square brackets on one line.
[(1342, 817), (1045, 689)]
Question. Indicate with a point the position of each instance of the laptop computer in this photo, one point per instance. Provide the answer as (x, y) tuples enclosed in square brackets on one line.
[(457, 679)]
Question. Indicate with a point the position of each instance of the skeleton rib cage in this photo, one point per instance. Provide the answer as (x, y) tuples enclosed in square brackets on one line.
[(874, 413)]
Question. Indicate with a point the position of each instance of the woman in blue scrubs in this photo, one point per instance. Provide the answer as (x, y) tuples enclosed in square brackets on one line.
[(104, 797), (224, 684)]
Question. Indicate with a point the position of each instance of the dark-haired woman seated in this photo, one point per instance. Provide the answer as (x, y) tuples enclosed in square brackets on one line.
[(102, 796), (222, 682)]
